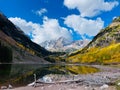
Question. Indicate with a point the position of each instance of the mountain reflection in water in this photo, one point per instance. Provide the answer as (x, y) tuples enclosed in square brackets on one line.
[(22, 74)]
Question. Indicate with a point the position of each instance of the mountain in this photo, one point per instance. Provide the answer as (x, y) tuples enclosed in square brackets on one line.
[(64, 45), (16, 47), (103, 49)]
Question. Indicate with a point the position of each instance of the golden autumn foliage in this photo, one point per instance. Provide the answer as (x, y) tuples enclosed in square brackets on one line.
[(106, 55), (25, 48), (81, 69)]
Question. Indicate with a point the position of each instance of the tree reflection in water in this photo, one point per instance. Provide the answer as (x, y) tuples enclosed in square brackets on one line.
[(22, 74)]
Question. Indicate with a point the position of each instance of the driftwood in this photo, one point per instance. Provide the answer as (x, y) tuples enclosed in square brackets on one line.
[(59, 82)]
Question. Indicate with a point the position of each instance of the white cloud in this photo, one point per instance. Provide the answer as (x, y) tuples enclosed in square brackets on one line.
[(90, 8), (41, 11), (84, 26), (27, 27), (49, 30)]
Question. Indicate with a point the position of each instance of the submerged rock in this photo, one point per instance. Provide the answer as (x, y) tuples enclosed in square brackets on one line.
[(47, 79)]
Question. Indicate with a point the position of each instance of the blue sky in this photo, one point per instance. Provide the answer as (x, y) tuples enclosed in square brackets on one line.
[(51, 19)]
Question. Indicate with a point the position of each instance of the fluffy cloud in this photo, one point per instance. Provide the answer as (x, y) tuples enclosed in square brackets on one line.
[(27, 27), (84, 26), (49, 30), (90, 8)]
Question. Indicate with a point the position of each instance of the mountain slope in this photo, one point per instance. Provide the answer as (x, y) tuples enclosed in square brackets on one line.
[(22, 48), (104, 48)]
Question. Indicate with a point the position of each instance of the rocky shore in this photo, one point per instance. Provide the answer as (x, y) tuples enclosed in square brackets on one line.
[(65, 87), (107, 75)]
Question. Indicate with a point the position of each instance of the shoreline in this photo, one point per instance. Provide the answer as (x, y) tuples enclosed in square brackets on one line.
[(73, 86)]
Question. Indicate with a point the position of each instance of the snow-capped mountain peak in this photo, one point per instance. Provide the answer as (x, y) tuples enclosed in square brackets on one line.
[(62, 44)]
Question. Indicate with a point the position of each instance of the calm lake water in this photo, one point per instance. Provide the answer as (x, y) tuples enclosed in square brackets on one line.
[(22, 74)]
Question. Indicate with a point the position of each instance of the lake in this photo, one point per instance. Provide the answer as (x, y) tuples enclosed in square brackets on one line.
[(22, 74)]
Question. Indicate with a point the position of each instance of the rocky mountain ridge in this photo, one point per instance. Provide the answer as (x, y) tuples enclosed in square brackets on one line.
[(64, 45)]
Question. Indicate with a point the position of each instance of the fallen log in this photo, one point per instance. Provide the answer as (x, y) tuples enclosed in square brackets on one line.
[(59, 82)]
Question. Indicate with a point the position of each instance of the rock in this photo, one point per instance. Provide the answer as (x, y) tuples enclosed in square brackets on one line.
[(105, 86), (10, 86), (47, 79), (118, 84), (3, 87)]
